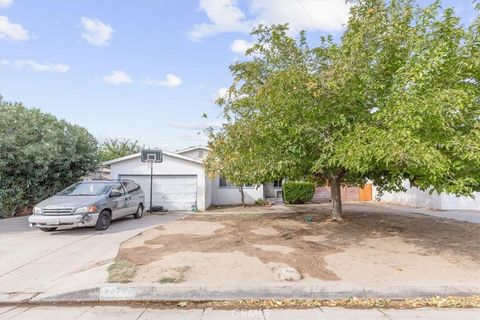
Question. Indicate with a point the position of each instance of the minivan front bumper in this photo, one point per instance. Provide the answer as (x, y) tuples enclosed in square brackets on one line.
[(77, 220)]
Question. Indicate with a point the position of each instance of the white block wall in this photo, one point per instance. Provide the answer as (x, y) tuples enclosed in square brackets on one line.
[(423, 199)]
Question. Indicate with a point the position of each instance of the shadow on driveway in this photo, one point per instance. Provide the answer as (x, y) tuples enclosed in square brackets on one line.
[(20, 224)]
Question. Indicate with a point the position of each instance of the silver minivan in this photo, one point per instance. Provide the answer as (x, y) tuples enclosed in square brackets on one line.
[(89, 203)]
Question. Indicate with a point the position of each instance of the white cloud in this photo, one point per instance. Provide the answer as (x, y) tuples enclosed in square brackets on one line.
[(35, 66), (5, 3), (311, 15), (221, 93), (96, 32), (224, 16), (240, 46), (117, 77), (170, 81), (12, 31), (225, 94)]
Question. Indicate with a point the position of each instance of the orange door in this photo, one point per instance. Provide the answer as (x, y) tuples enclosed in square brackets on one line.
[(365, 193)]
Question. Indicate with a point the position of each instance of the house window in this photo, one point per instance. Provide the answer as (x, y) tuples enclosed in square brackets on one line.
[(277, 183), (200, 154), (225, 184)]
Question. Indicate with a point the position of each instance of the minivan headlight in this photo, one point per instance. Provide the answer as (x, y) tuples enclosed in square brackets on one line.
[(86, 209), (37, 210)]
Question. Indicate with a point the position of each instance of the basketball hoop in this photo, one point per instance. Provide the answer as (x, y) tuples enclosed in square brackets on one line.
[(151, 156)]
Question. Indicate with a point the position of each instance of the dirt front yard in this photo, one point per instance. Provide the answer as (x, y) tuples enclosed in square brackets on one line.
[(372, 246)]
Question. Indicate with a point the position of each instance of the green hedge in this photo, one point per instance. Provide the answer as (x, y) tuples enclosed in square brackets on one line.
[(39, 156), (298, 191)]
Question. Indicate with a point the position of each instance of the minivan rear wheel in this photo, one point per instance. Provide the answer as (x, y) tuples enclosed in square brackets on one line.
[(103, 221), (47, 229), (139, 212)]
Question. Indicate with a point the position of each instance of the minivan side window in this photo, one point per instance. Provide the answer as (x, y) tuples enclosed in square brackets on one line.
[(118, 187), (131, 187)]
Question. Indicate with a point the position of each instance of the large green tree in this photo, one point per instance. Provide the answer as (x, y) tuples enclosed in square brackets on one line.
[(39, 156), (113, 148), (397, 98)]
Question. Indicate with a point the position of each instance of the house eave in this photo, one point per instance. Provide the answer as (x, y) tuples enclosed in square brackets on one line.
[(135, 155)]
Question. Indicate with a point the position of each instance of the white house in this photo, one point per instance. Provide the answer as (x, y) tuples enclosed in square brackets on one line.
[(180, 181)]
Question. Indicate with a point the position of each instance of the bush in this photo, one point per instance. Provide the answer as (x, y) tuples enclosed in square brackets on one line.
[(298, 191), (39, 156), (260, 202)]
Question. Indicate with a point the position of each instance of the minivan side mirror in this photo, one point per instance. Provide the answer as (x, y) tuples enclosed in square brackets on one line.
[(115, 194)]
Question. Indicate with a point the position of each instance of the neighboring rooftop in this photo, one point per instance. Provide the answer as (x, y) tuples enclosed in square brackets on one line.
[(192, 149)]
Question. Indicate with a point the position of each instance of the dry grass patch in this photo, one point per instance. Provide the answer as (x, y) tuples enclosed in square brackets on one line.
[(177, 275), (121, 271)]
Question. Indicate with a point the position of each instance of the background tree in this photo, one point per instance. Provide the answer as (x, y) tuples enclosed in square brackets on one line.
[(397, 98), (39, 156), (230, 162), (116, 148)]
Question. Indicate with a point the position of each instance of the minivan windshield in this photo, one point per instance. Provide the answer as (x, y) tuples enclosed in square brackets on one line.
[(86, 189)]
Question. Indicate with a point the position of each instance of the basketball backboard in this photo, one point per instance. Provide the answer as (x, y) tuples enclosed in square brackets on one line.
[(152, 155)]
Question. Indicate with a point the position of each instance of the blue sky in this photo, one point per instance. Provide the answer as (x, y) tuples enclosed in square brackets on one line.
[(142, 69)]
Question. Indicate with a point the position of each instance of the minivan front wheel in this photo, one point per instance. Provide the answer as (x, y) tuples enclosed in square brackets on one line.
[(139, 212), (103, 221), (47, 229)]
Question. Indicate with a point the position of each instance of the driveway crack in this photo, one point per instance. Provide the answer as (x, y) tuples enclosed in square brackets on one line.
[(141, 314)]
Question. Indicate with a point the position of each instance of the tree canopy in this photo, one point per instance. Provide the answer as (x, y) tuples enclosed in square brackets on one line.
[(234, 166), (39, 156), (113, 148), (397, 98)]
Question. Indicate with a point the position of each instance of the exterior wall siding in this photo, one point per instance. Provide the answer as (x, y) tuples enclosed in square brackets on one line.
[(270, 191), (197, 153), (231, 195)]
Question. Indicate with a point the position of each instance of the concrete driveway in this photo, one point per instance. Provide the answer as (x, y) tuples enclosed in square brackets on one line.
[(35, 263)]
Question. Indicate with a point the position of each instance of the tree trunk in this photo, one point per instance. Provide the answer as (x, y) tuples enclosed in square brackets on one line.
[(243, 195), (335, 190)]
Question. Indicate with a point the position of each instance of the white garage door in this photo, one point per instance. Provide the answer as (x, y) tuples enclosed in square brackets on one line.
[(170, 192)]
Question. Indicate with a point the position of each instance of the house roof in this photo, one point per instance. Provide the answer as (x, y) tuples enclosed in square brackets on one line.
[(193, 148), (168, 153)]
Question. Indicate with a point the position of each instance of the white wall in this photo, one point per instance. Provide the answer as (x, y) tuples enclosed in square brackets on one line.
[(270, 191), (209, 192), (423, 199), (452, 202), (169, 166), (229, 195)]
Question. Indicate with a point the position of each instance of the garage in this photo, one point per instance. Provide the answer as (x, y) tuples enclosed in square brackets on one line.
[(179, 182), (175, 192)]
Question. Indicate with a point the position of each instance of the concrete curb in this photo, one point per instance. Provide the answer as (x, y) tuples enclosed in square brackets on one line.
[(119, 292)]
